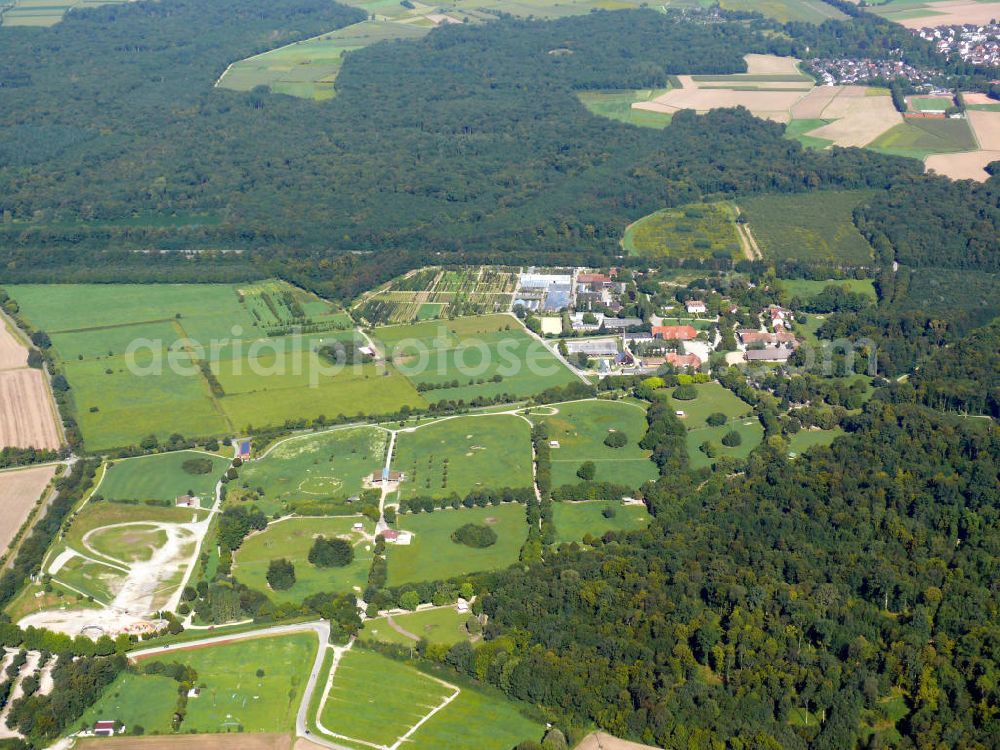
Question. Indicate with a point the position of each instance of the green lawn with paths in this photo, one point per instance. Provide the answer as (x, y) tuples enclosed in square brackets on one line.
[(575, 520), (163, 476), (581, 428), (292, 539), (443, 625), (483, 452), (432, 555), (316, 472)]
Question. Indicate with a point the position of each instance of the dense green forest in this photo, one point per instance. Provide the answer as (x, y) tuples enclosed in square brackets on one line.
[(816, 589), (481, 149)]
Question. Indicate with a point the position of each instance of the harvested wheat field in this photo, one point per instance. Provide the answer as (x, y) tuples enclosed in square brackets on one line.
[(953, 13), (26, 414), (977, 97), (12, 353), (235, 741), (986, 126), (772, 105), (860, 119), (969, 165), (19, 491), (811, 106), (758, 65)]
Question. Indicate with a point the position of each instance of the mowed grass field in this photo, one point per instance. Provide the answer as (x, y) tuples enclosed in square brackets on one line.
[(162, 476), (466, 354), (432, 555), (442, 625), (292, 539), (315, 470), (919, 138), (581, 428), (360, 706), (806, 288), (136, 358), (701, 230), (575, 520), (816, 226), (803, 440), (712, 398), (464, 454), (232, 698)]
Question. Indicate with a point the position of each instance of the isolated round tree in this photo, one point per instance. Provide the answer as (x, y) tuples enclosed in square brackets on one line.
[(280, 574), (616, 440), (685, 392), (474, 535), (587, 470), (731, 439), (331, 553), (716, 419)]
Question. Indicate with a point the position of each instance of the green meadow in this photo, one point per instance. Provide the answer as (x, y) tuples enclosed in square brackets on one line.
[(799, 130), (443, 625), (700, 230), (163, 476), (315, 471), (919, 138), (128, 543), (581, 427), (432, 555), (617, 105), (202, 360), (360, 706), (749, 429), (292, 539), (711, 398), (232, 697), (805, 288), (803, 440), (576, 520), (463, 454)]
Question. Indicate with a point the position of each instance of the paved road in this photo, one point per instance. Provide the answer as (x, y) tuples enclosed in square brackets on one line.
[(322, 630)]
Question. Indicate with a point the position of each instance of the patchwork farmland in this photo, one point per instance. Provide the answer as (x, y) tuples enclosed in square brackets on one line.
[(20, 490), (202, 360), (432, 293)]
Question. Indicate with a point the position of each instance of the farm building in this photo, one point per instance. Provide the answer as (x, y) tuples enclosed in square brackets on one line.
[(243, 449), (384, 475), (683, 360), (105, 728), (188, 501), (696, 307), (544, 291), (594, 347), (674, 333), (392, 536), (769, 354), (750, 338)]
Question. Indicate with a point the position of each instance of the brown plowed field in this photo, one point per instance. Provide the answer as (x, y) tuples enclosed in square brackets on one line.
[(19, 491), (240, 741), (26, 414), (12, 353)]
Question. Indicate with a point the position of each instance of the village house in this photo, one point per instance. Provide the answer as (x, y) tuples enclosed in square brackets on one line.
[(696, 307), (105, 728), (766, 338), (675, 333)]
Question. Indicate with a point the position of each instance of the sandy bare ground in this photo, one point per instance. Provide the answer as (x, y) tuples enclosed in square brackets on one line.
[(986, 126), (953, 13), (801, 86), (26, 415), (859, 120), (12, 353), (759, 65), (970, 165), (602, 741), (977, 97), (241, 741), (148, 585), (19, 491)]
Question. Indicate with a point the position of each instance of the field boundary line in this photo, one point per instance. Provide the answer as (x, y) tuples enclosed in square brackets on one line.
[(443, 704)]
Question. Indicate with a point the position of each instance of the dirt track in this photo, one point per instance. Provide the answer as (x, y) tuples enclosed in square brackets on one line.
[(19, 491), (26, 414)]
